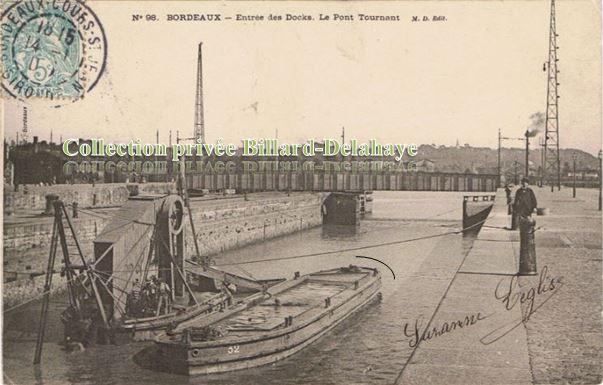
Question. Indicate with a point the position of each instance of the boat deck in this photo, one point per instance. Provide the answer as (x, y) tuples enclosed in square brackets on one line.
[(268, 315), (297, 301)]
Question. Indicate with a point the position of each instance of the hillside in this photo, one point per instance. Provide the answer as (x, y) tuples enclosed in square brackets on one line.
[(484, 159)]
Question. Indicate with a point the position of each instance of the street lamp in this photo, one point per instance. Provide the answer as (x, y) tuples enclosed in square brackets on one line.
[(500, 139)]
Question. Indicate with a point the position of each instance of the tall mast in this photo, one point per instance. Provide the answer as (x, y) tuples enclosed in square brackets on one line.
[(552, 169), (199, 132)]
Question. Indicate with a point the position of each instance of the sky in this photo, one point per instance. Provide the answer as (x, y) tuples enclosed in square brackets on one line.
[(398, 82)]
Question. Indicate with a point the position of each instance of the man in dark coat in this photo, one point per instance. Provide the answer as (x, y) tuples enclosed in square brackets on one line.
[(525, 200)]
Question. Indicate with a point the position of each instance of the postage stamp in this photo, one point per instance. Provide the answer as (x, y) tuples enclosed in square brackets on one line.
[(52, 51)]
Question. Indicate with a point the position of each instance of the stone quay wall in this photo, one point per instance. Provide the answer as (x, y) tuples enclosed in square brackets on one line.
[(33, 197), (228, 224), (222, 223)]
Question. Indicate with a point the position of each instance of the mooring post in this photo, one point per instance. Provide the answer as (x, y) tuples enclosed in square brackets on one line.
[(527, 246), (465, 222), (514, 218)]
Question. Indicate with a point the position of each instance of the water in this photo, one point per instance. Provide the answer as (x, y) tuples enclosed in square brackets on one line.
[(367, 348)]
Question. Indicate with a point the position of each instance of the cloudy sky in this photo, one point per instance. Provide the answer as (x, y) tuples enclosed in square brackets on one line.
[(401, 82)]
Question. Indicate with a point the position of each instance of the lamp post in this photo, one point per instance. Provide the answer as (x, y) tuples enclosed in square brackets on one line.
[(574, 187), (500, 138)]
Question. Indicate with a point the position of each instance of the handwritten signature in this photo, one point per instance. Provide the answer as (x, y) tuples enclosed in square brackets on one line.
[(512, 294), (418, 334)]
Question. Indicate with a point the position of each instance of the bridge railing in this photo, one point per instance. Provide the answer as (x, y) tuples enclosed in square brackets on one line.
[(342, 181), (479, 198)]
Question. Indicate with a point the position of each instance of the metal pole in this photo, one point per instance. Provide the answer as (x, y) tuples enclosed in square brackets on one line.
[(558, 167), (183, 192), (574, 187), (542, 165), (527, 246), (600, 174), (527, 173), (47, 286), (199, 131), (498, 158)]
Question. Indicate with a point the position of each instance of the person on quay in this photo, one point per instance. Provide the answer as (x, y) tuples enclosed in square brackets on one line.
[(509, 199), (525, 203), (164, 292), (525, 200), (148, 304)]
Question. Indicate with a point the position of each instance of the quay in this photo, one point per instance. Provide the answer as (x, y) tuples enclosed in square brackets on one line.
[(223, 222), (557, 338), (437, 282)]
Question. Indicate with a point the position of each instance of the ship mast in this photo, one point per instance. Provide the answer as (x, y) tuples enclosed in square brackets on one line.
[(199, 132)]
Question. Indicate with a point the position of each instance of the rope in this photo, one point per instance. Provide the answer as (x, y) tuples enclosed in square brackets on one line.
[(114, 297), (110, 276), (38, 296), (68, 281), (318, 253), (246, 272), (440, 214), (104, 216), (356, 248)]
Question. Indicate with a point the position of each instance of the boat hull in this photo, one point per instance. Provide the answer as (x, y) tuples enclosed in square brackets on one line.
[(146, 329), (196, 358)]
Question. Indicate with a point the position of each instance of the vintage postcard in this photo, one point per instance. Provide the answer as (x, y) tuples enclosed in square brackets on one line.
[(301, 192)]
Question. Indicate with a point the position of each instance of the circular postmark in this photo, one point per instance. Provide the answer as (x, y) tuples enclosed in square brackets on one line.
[(52, 50)]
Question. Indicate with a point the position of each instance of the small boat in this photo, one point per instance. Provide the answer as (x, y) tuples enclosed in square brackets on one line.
[(207, 285), (270, 325), (142, 248)]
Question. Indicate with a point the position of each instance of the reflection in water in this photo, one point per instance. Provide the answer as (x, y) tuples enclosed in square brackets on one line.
[(369, 347), (339, 231)]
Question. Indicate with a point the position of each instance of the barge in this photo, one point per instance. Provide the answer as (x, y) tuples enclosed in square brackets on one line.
[(270, 325)]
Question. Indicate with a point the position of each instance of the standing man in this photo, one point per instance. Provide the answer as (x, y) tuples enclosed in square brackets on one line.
[(525, 200), (133, 299), (525, 203), (509, 199), (165, 298)]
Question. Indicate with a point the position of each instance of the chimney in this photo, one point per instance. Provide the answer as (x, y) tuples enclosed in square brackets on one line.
[(35, 143)]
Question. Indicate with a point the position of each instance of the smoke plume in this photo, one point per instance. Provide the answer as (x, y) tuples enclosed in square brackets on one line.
[(536, 125)]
